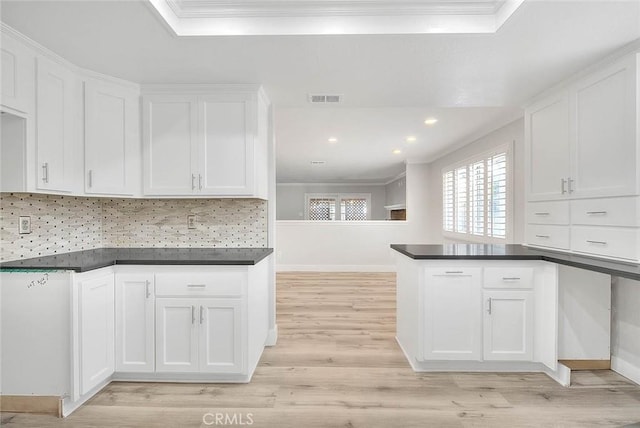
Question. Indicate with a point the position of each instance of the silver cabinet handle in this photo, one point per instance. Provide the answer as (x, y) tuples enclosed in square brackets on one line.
[(543, 236), (45, 172), (454, 272), (193, 314), (199, 181), (510, 278), (196, 285), (147, 290), (489, 309), (563, 184), (540, 213), (570, 182), (596, 242), (596, 212), (193, 182), (201, 314), (90, 178)]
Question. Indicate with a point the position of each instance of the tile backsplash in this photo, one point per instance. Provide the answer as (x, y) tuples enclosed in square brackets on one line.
[(163, 223), (61, 224)]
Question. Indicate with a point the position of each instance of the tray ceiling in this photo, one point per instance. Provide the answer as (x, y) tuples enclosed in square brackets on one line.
[(312, 17)]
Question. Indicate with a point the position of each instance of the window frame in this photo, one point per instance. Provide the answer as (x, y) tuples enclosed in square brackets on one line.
[(468, 236), (338, 199)]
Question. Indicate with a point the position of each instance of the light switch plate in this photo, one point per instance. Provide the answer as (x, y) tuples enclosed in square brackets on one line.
[(191, 221), (24, 224)]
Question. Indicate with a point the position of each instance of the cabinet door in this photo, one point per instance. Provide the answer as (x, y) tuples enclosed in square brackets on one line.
[(508, 325), (111, 139), (96, 325), (54, 126), (548, 150), (16, 91), (176, 335), (226, 157), (605, 144), (452, 314), (135, 323), (221, 336), (170, 145)]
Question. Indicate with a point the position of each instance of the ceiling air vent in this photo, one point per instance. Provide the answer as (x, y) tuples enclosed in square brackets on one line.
[(325, 98), (318, 162)]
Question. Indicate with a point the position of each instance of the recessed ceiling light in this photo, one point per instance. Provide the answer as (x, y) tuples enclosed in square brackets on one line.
[(396, 151), (430, 121), (411, 139), (333, 140)]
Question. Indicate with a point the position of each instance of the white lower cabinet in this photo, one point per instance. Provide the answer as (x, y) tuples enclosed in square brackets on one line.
[(177, 345), (199, 335), (96, 330), (478, 315), (452, 317), (508, 325), (135, 323)]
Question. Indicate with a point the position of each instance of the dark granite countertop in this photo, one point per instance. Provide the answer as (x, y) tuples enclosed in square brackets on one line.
[(82, 261), (517, 252)]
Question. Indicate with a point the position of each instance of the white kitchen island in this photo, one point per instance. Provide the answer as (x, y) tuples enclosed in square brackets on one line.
[(474, 307)]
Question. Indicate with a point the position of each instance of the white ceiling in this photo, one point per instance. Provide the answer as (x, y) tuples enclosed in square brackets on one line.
[(390, 83)]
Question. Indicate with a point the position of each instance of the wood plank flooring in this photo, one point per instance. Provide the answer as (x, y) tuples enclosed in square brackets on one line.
[(337, 364)]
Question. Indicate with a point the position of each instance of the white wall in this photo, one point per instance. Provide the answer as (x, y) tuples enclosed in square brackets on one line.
[(291, 198), (625, 328), (396, 191), (347, 246), (513, 132)]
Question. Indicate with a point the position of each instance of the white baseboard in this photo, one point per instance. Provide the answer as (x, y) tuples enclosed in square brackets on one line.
[(272, 336), (625, 368), (335, 268)]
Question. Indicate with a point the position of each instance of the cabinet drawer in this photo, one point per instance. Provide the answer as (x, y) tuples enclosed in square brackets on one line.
[(615, 242), (548, 236), (200, 284), (508, 277), (556, 212), (605, 212)]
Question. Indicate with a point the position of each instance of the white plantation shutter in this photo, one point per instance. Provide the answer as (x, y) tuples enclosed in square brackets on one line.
[(497, 194), (474, 197), (461, 200), (448, 188), (477, 201)]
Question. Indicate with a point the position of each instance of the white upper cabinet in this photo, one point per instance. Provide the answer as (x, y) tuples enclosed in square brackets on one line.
[(205, 144), (548, 160), (17, 61), (55, 137), (582, 142), (226, 158), (170, 144), (605, 154), (112, 141)]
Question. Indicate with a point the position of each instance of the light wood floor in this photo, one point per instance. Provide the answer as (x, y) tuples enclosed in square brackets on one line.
[(337, 364)]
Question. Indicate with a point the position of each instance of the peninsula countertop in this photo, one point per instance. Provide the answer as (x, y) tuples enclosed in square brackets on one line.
[(517, 252), (83, 261)]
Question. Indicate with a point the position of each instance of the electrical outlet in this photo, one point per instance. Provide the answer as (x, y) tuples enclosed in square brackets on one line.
[(191, 221), (24, 224)]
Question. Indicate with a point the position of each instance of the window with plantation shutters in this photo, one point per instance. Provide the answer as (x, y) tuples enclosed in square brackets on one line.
[(475, 197)]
